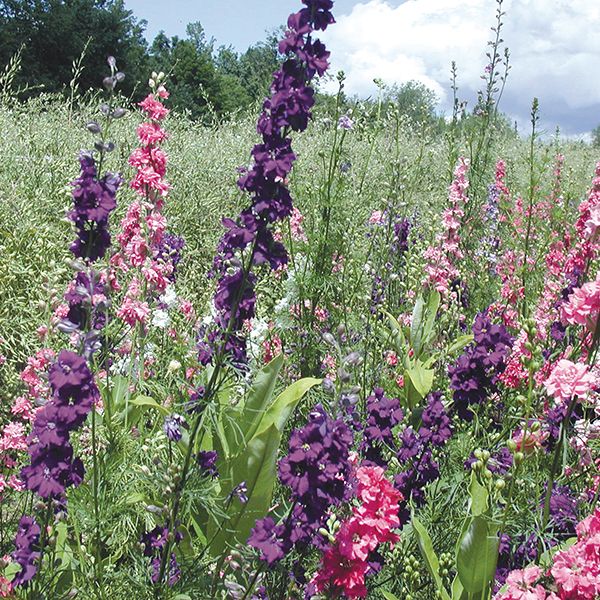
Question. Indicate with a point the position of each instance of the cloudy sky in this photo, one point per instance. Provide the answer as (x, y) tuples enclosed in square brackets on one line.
[(554, 46)]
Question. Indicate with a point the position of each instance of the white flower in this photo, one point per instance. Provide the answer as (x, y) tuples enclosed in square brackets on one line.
[(161, 318), (169, 297)]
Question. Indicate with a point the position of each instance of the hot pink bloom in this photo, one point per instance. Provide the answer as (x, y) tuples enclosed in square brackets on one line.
[(520, 585), (133, 311), (569, 379), (154, 108), (151, 134), (583, 305), (341, 574)]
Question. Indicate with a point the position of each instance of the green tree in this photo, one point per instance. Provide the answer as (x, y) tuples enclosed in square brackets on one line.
[(55, 32), (415, 100), (596, 137)]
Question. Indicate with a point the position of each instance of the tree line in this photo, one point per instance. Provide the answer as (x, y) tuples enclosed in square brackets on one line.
[(55, 38)]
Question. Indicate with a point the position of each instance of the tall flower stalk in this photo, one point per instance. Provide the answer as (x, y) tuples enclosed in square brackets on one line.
[(248, 242)]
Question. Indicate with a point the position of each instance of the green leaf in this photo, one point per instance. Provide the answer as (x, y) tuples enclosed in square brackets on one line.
[(479, 496), (257, 467), (423, 321), (416, 322), (459, 343), (147, 402), (458, 591), (185, 545), (397, 331), (389, 595), (284, 405), (431, 559), (421, 380), (477, 555), (259, 396)]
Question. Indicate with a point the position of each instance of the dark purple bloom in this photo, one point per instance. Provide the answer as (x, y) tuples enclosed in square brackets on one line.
[(69, 374), (287, 109), (435, 428), (382, 415), (474, 375), (169, 251), (207, 460), (53, 468), (266, 538), (93, 201), (401, 232), (26, 555), (172, 427), (154, 541), (563, 510), (316, 468)]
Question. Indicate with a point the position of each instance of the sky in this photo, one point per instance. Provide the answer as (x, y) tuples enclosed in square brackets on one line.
[(554, 46)]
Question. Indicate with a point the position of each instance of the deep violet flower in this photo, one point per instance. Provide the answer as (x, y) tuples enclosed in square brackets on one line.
[(93, 201), (53, 467), (26, 554), (316, 469), (382, 415), (474, 375), (248, 240), (207, 461), (154, 542)]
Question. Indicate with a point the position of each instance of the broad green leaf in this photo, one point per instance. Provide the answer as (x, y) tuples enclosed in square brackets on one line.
[(476, 556), (185, 545), (135, 498), (459, 343), (389, 595), (431, 313), (259, 396), (147, 402), (284, 405), (479, 496), (416, 322), (257, 468), (397, 331), (423, 321), (421, 378), (458, 591), (431, 559)]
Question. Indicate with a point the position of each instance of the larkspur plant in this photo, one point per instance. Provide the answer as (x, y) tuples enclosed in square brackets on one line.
[(384, 383)]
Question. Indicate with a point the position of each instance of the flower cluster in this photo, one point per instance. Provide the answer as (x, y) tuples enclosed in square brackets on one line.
[(144, 243), (93, 201), (574, 574), (569, 379), (442, 257), (583, 305), (53, 467), (346, 562), (415, 452), (317, 471), (154, 542), (26, 555), (475, 374), (383, 414), (288, 109)]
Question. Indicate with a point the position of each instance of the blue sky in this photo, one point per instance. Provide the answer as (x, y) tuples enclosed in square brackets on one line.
[(554, 46), (236, 22)]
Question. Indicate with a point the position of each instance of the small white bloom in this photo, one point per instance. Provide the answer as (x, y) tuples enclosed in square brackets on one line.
[(174, 365), (169, 297), (161, 319)]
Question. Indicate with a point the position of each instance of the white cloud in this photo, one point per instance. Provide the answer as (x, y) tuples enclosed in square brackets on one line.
[(554, 46)]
